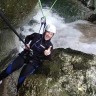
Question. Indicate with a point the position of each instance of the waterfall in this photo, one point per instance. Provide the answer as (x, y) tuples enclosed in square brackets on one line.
[(67, 36)]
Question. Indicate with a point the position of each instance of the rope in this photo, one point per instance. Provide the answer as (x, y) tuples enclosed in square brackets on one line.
[(41, 7), (43, 22), (51, 7), (12, 28)]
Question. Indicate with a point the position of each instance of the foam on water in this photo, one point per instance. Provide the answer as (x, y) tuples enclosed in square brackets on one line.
[(66, 37)]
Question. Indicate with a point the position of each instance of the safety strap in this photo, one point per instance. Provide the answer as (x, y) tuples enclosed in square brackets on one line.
[(43, 19), (43, 23)]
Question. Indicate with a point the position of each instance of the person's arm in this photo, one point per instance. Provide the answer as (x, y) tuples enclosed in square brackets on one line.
[(28, 39)]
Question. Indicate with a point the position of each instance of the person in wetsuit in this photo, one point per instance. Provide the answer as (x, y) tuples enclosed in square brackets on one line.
[(41, 48)]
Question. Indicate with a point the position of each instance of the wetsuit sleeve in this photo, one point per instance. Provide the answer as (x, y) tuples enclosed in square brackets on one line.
[(30, 37)]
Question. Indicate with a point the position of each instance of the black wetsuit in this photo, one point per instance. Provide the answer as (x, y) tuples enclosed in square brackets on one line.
[(29, 60)]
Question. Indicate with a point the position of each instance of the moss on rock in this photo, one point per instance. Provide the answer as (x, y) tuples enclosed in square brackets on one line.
[(16, 10), (59, 77)]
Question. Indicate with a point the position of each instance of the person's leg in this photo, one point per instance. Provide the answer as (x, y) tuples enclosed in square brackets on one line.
[(16, 64), (26, 70)]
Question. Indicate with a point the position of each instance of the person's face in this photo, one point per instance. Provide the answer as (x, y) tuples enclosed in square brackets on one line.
[(48, 35)]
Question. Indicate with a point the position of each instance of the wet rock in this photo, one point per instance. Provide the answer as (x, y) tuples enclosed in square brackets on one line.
[(31, 22), (16, 11), (3, 63), (92, 18), (88, 3), (91, 4), (65, 75), (83, 2), (7, 43)]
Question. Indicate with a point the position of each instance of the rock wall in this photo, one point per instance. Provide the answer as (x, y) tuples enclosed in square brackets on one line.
[(91, 4), (16, 11)]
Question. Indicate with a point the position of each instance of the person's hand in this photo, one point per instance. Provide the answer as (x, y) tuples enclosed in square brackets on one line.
[(48, 51), (27, 46)]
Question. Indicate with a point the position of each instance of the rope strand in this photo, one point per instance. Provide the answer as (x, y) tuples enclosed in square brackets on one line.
[(41, 7), (42, 21), (51, 7)]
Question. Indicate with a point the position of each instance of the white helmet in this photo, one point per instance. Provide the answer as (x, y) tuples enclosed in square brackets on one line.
[(50, 28)]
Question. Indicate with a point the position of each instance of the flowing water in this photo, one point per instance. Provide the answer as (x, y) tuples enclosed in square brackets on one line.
[(67, 36)]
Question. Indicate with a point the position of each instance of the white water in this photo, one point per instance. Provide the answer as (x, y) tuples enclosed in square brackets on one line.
[(66, 37)]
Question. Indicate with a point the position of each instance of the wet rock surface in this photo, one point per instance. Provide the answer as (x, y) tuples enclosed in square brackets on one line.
[(65, 75), (16, 11), (92, 18)]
